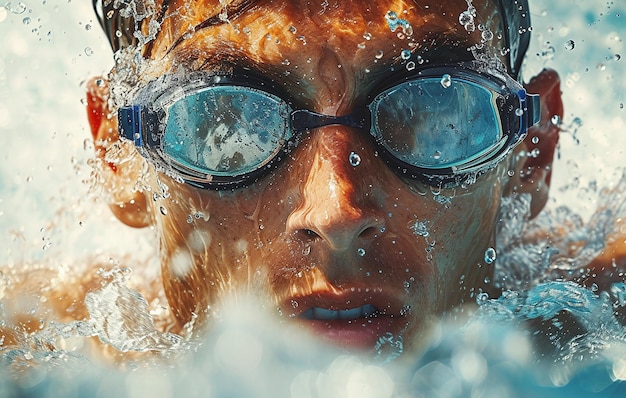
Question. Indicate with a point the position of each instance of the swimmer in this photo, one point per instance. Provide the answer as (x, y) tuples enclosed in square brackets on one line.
[(344, 164)]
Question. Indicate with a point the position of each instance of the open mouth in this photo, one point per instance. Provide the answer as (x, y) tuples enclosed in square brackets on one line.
[(324, 314), (331, 318)]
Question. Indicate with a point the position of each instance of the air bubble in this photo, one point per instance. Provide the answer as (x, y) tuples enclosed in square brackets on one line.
[(88, 51), (420, 60), (535, 140), (446, 80), (354, 159), (556, 120), (617, 57), (510, 173), (26, 20), (465, 18), (360, 251), (379, 54), (410, 65), (437, 155), (367, 36), (18, 8), (519, 112), (482, 298), (405, 54), (163, 210), (88, 27), (569, 45), (487, 35), (490, 255)]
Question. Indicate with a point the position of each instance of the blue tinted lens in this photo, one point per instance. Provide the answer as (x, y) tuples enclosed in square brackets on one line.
[(430, 124), (225, 130)]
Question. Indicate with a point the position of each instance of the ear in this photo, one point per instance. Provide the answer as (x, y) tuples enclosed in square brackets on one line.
[(120, 164), (533, 158)]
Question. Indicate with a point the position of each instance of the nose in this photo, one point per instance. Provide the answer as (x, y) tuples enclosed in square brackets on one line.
[(339, 202)]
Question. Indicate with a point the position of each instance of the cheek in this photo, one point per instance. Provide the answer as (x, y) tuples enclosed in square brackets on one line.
[(208, 243)]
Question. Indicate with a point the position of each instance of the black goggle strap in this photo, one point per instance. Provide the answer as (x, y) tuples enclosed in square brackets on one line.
[(532, 105), (135, 123)]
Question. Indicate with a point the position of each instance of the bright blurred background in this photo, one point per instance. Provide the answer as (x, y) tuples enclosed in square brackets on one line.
[(48, 48)]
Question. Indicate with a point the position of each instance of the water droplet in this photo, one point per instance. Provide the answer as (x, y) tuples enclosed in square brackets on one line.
[(446, 80), (354, 159), (163, 210), (410, 65), (360, 251), (487, 35), (465, 18), (88, 51), (569, 45), (482, 298), (617, 57), (18, 8), (556, 120), (519, 112), (29, 178), (420, 60), (490, 255), (361, 46), (292, 29), (405, 54), (535, 140), (88, 27), (367, 36), (294, 303), (379, 54), (26, 20), (437, 155), (511, 173)]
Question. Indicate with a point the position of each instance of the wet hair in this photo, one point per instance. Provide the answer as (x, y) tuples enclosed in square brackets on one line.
[(121, 18)]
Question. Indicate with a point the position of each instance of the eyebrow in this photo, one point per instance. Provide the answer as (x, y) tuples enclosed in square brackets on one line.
[(233, 11)]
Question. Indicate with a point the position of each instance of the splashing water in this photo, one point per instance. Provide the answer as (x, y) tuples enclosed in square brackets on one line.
[(486, 357)]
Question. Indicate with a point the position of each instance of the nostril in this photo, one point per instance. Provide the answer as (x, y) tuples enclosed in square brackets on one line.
[(370, 232)]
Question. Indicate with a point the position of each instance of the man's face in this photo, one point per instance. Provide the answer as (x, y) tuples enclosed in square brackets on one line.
[(348, 250)]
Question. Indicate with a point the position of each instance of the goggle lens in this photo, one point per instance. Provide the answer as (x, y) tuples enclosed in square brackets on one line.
[(430, 124), (225, 130)]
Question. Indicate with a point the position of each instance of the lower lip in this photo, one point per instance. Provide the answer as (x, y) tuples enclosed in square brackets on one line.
[(360, 334)]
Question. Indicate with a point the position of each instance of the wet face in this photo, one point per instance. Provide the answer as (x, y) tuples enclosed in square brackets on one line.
[(348, 250)]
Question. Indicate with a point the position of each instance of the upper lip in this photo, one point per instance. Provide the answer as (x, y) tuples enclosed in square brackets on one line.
[(343, 303)]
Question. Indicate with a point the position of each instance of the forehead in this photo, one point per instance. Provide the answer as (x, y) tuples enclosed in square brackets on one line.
[(270, 32)]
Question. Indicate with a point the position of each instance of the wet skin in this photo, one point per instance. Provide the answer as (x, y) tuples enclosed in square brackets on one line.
[(318, 238)]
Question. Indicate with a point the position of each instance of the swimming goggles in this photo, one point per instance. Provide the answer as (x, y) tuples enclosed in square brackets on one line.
[(438, 125)]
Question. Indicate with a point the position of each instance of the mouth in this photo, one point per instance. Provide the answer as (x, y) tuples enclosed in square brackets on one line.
[(352, 320), (352, 314)]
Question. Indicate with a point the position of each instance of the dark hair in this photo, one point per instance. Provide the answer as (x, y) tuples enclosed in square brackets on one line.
[(120, 26)]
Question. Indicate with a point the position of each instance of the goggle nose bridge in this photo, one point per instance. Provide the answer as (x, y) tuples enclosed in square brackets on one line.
[(306, 120)]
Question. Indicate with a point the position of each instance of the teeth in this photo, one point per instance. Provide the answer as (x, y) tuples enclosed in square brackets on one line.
[(319, 313)]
